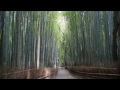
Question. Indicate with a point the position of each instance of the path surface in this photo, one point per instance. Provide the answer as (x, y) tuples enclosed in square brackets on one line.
[(64, 74)]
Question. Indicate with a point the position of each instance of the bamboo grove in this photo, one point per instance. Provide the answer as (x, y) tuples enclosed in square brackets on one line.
[(27, 40), (88, 38), (34, 39)]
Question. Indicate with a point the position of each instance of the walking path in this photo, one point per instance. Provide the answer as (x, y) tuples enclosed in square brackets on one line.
[(64, 74)]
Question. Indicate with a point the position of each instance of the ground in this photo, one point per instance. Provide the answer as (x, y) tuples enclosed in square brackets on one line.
[(64, 74)]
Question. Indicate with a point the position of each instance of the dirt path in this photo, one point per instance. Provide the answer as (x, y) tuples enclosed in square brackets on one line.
[(64, 74)]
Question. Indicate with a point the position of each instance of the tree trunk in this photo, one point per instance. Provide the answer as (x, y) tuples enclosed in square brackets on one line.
[(115, 30), (1, 41)]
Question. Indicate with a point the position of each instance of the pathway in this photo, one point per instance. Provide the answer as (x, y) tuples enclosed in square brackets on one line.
[(64, 74)]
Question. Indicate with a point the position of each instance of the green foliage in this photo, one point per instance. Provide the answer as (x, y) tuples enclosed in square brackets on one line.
[(87, 37), (34, 39)]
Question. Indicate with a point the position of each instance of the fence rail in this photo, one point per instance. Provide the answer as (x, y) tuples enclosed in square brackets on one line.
[(28, 74), (98, 75)]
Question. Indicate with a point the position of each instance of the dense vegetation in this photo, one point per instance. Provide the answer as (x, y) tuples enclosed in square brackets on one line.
[(34, 39), (89, 38), (27, 40)]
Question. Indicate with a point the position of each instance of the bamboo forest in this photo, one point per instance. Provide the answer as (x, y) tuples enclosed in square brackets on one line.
[(59, 45)]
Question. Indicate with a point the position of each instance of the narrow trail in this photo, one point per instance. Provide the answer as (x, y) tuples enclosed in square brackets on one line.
[(64, 74)]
